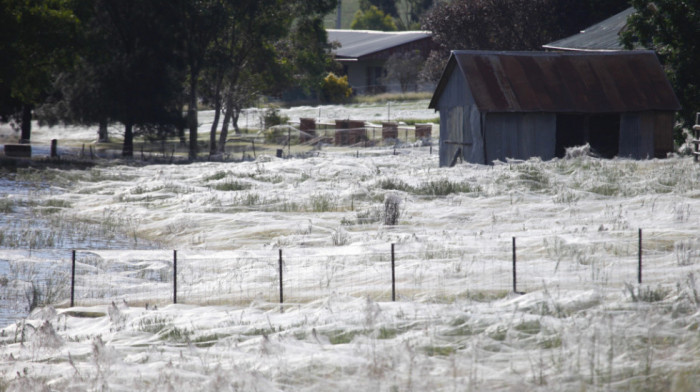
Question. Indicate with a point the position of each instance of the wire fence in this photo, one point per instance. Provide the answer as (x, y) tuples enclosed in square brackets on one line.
[(283, 141), (444, 272)]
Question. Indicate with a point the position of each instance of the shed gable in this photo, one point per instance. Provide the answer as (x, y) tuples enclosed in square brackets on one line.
[(569, 82)]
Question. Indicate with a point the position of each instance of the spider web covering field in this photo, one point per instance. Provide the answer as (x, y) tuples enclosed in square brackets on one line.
[(600, 261), (583, 322)]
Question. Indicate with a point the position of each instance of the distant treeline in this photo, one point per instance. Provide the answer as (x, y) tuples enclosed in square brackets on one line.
[(143, 63), (148, 64)]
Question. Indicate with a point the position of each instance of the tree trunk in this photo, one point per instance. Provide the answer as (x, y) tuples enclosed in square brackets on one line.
[(128, 148), (224, 127), (181, 126), (234, 117), (102, 133), (214, 126), (26, 125), (215, 123), (192, 116)]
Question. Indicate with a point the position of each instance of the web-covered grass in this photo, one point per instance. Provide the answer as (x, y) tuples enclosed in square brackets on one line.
[(584, 323)]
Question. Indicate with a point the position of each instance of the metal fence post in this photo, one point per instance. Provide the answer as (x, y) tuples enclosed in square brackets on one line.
[(393, 276), (54, 148), (639, 265), (515, 276), (696, 136), (281, 284), (72, 282), (174, 276)]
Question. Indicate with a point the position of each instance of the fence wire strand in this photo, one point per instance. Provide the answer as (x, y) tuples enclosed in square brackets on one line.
[(445, 272)]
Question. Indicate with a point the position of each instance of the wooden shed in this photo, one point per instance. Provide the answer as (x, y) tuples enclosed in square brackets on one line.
[(499, 105)]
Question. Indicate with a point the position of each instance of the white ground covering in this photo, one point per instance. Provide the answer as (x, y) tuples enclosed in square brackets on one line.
[(583, 323)]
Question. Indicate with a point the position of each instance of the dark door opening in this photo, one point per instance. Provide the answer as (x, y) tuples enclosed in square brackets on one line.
[(601, 131), (604, 134), (570, 132)]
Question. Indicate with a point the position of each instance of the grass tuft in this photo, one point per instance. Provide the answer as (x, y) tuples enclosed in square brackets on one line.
[(231, 186), (647, 294), (440, 187)]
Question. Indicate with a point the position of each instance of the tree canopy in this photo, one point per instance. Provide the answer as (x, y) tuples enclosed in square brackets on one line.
[(139, 62), (266, 46), (373, 19), (404, 67), (414, 11), (405, 14), (388, 7), (512, 24), (37, 39), (672, 29), (507, 25)]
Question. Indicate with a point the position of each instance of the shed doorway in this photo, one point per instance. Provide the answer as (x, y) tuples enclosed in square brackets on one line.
[(601, 131), (570, 133), (604, 134)]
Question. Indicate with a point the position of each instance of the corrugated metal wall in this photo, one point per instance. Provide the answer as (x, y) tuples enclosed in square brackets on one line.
[(451, 107), (636, 136), (646, 135), (472, 134), (526, 135), (520, 136), (459, 122), (663, 133)]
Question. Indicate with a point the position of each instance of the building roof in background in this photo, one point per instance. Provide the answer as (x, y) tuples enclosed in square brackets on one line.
[(359, 43), (574, 82), (603, 36)]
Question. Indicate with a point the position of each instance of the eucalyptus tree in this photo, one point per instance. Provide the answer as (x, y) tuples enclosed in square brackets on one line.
[(250, 28), (306, 49), (373, 18), (37, 41), (512, 24), (388, 7), (414, 11), (201, 22), (403, 67), (133, 69), (672, 29), (264, 46)]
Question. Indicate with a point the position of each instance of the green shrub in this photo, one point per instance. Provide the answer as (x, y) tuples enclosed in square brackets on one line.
[(335, 89), (272, 117)]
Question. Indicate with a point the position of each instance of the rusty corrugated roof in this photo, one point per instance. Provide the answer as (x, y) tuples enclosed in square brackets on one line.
[(573, 82)]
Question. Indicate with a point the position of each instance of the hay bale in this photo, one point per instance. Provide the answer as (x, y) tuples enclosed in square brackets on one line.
[(424, 131)]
